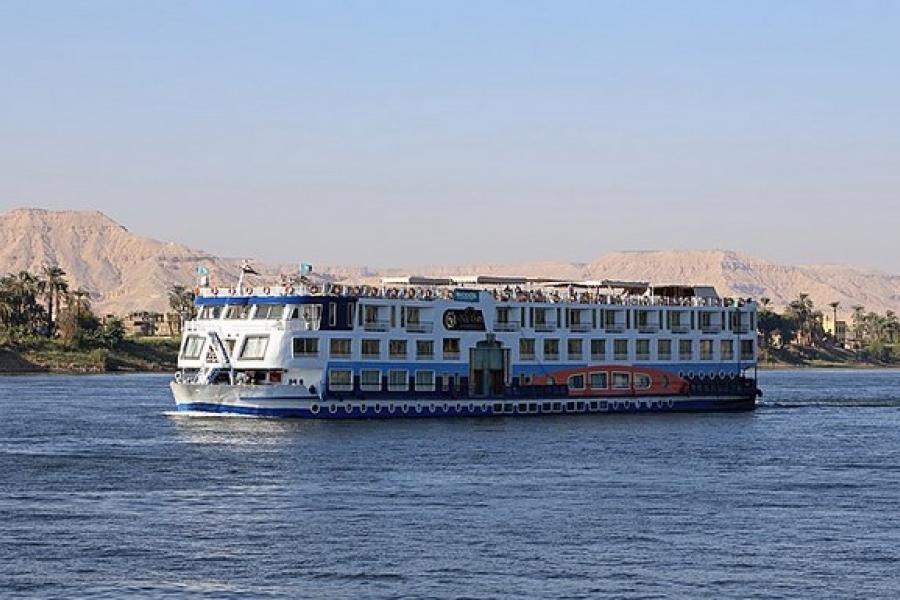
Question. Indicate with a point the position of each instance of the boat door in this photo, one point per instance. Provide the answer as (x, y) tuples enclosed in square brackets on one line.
[(488, 368)]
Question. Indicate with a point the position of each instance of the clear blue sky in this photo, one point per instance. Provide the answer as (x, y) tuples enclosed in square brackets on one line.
[(423, 132)]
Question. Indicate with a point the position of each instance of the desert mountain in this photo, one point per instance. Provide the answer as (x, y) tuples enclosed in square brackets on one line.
[(126, 272)]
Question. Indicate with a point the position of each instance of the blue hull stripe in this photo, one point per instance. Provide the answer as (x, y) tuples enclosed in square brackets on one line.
[(465, 410)]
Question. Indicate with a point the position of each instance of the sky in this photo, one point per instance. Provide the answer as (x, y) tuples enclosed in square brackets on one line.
[(425, 132)]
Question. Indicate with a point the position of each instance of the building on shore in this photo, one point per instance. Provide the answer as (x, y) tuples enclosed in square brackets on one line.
[(149, 324), (837, 329)]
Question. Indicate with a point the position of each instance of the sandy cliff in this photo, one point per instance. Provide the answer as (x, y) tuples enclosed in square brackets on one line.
[(124, 271)]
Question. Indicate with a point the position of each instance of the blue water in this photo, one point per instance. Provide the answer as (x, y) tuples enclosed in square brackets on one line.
[(103, 494)]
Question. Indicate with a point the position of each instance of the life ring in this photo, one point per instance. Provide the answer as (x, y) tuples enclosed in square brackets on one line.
[(313, 289), (289, 290), (215, 291), (332, 409), (177, 376), (267, 290), (314, 409), (232, 291), (248, 291)]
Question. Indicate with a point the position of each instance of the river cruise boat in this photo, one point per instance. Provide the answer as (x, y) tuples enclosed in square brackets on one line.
[(416, 347)]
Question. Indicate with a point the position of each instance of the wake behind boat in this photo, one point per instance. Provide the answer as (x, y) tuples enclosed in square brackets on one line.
[(466, 346)]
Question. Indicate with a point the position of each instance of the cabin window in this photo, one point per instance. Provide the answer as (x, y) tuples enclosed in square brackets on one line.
[(642, 319), (574, 348), (237, 311), (746, 349), (254, 347), (413, 315), (576, 382), (371, 314), (424, 381), (599, 381), (642, 349), (598, 349), (340, 380), (371, 348), (620, 349), (540, 317), (664, 349), (727, 349), (193, 347), (340, 348), (370, 380), (706, 349), (621, 381), (398, 380), (424, 349), (310, 313), (526, 349), (305, 347), (685, 350), (272, 312), (397, 348), (332, 314), (551, 349), (451, 348), (210, 312), (642, 381), (351, 308), (503, 314)]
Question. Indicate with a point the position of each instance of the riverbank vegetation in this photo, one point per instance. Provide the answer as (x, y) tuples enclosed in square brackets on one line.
[(802, 335), (47, 325)]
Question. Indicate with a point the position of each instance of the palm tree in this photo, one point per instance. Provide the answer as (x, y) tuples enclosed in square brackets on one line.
[(181, 300), (834, 306), (54, 288), (80, 301), (802, 310), (23, 289), (859, 322)]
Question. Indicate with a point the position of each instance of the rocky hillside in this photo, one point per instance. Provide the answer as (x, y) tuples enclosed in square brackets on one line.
[(127, 272)]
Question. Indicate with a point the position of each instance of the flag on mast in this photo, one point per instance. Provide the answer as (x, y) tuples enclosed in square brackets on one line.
[(305, 268), (247, 269)]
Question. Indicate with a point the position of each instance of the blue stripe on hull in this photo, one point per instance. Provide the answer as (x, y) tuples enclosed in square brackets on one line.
[(613, 406)]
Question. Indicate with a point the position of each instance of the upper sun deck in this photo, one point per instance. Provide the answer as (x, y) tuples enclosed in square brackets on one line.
[(471, 287)]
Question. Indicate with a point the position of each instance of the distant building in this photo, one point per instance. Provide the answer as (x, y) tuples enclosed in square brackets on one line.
[(149, 324), (836, 329)]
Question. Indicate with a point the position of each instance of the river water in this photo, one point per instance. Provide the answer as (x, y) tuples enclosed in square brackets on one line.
[(103, 493)]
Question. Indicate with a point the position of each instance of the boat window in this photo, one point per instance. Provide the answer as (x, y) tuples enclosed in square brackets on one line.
[(424, 349), (576, 382), (398, 380), (210, 312), (621, 381), (574, 348), (425, 381), (340, 380), (193, 346), (269, 311), (305, 347), (237, 311), (397, 348), (599, 381), (642, 381), (526, 348), (371, 348), (254, 347), (340, 348), (370, 379)]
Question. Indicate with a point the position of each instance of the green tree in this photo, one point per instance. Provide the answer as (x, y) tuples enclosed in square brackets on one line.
[(181, 300), (54, 288)]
